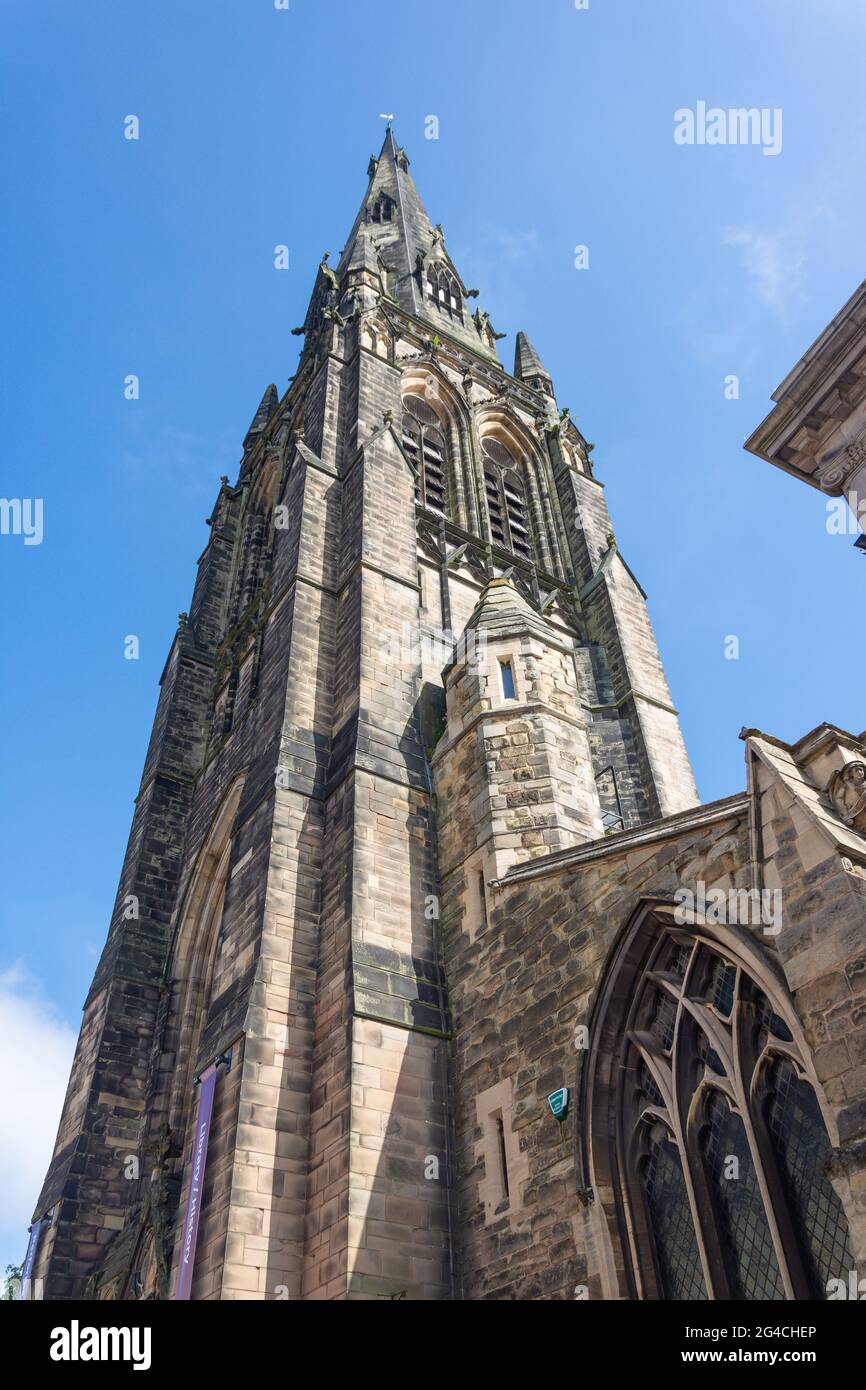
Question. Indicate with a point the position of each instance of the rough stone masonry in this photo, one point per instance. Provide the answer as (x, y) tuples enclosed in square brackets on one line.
[(405, 861)]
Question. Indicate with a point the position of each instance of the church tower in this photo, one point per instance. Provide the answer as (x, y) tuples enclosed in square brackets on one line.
[(414, 657)]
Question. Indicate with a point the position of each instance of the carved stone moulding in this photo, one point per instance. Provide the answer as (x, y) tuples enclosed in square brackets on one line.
[(837, 471)]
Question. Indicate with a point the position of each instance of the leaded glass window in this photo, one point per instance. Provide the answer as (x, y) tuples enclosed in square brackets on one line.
[(802, 1149), (744, 1236), (667, 1199), (724, 1145)]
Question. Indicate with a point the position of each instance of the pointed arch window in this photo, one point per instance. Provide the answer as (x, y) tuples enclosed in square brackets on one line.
[(193, 959), (443, 289), (668, 1203), (424, 443), (506, 499), (722, 1144), (382, 210)]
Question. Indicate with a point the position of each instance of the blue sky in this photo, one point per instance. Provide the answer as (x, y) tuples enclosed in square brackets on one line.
[(155, 257)]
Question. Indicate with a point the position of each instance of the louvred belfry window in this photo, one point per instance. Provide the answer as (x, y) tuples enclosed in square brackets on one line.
[(723, 1143), (424, 443), (443, 289), (506, 500)]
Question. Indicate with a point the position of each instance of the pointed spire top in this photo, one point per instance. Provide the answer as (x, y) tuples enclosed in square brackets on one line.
[(391, 150), (502, 609), (501, 612), (422, 278), (269, 402), (499, 596), (528, 366)]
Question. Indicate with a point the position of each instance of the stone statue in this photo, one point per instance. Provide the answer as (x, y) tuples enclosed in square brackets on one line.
[(847, 792)]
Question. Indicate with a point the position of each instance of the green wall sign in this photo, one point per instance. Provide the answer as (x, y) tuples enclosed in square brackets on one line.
[(558, 1103)]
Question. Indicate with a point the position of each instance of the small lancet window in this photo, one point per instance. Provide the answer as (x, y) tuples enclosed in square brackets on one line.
[(506, 500), (509, 689), (503, 1158), (424, 443), (482, 897)]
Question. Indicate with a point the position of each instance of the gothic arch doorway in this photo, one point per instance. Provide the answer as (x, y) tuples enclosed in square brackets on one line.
[(704, 1131)]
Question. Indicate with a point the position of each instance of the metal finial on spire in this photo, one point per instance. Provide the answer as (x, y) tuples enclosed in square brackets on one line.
[(386, 116)]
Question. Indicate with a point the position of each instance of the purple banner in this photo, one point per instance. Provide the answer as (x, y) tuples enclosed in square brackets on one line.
[(30, 1258), (196, 1183)]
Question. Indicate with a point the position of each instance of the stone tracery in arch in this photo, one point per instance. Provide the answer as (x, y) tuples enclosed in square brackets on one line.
[(706, 1132), (443, 289)]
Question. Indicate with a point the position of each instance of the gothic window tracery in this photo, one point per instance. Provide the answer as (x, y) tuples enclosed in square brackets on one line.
[(443, 289), (382, 210), (424, 443), (723, 1142), (506, 499)]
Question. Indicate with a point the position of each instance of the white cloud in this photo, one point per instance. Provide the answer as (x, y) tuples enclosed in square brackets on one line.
[(772, 261), (37, 1047), (516, 246), (773, 270)]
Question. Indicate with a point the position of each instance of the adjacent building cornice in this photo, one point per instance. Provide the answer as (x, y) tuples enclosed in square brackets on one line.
[(800, 396)]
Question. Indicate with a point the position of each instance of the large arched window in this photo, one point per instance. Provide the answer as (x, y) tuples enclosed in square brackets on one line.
[(721, 1144), (193, 959), (506, 499), (443, 289), (424, 444)]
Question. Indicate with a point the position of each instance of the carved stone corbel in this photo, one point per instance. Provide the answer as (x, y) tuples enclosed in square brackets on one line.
[(836, 472)]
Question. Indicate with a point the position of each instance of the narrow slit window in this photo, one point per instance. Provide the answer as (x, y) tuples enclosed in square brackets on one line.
[(509, 690), (503, 1158), (482, 897)]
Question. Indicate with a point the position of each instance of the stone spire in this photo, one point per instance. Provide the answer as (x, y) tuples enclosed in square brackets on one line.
[(394, 218), (529, 367), (269, 402)]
